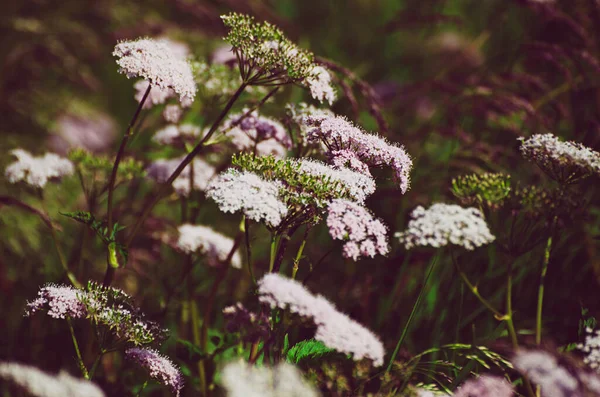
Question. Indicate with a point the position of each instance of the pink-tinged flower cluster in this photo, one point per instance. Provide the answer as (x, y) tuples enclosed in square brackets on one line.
[(158, 366), (542, 368), (37, 171), (337, 133), (485, 386), (172, 113), (203, 240), (358, 185), (320, 85), (60, 301), (157, 62), (354, 224), (443, 224), (258, 134), (94, 132), (334, 329), (564, 161), (160, 170), (41, 384), (348, 159), (241, 379), (244, 191), (175, 134)]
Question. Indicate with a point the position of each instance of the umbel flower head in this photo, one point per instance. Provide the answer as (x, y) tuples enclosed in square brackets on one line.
[(259, 134), (334, 329), (486, 189), (591, 348), (543, 369), (443, 224), (485, 386), (244, 191), (205, 241), (40, 384), (566, 162), (199, 170), (156, 62), (158, 366), (37, 171), (241, 379), (337, 133), (354, 224), (60, 301)]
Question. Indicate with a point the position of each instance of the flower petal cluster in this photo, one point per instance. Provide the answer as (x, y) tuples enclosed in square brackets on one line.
[(158, 366), (591, 347), (358, 185), (259, 134), (320, 85), (299, 112), (174, 134), (566, 162), (244, 191), (348, 159), (160, 170), (241, 379), (61, 301), (543, 369), (443, 224), (94, 132), (337, 133), (485, 386), (204, 240), (156, 62), (172, 113), (37, 171), (41, 384), (353, 223), (334, 329)]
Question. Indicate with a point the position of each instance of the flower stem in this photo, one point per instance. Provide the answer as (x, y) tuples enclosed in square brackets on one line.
[(246, 227), (84, 371), (299, 254), (509, 312), (188, 159), (540, 300), (139, 393), (274, 241), (413, 311), (95, 364)]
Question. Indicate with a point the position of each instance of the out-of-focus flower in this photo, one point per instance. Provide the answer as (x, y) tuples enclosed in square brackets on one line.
[(351, 222), (456, 50), (241, 379), (203, 240), (37, 171), (543, 369), (337, 133), (224, 55), (40, 384), (259, 134), (566, 162), (320, 86), (157, 95), (257, 198), (334, 329), (443, 224), (94, 132), (158, 366), (485, 386), (177, 134), (359, 186), (172, 113), (160, 170), (252, 326), (156, 62), (591, 347), (61, 301)]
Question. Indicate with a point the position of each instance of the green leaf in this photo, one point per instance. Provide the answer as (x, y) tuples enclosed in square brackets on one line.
[(307, 349)]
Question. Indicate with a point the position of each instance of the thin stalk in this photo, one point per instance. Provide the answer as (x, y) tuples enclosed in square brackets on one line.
[(299, 254), (61, 255), (246, 224), (274, 241), (540, 300), (412, 313), (197, 341), (96, 363), (475, 290), (509, 312), (139, 393), (82, 367), (188, 159)]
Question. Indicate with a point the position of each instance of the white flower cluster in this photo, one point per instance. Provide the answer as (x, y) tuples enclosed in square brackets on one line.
[(334, 329), (172, 113), (543, 369), (157, 62), (557, 157), (160, 170), (240, 379), (40, 384), (444, 224), (359, 185), (204, 240), (172, 134), (244, 191), (320, 86), (591, 347), (37, 171), (485, 386)]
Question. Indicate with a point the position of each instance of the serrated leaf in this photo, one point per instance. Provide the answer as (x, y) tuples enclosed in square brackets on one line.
[(307, 349)]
